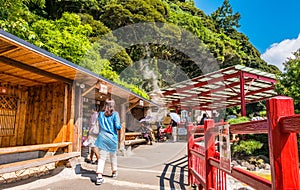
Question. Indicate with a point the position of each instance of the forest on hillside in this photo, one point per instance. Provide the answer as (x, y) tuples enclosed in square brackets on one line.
[(87, 33)]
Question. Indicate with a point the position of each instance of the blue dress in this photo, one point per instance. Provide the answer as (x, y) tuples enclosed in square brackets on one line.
[(108, 136)]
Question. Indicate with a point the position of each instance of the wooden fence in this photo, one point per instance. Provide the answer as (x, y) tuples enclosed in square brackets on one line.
[(281, 125)]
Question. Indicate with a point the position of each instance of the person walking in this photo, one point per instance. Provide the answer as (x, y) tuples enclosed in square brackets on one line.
[(93, 133), (188, 119), (204, 117), (107, 140)]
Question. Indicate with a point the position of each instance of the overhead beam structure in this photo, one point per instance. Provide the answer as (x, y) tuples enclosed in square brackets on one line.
[(236, 85)]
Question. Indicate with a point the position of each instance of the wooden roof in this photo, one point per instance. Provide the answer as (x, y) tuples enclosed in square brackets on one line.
[(22, 63), (221, 89)]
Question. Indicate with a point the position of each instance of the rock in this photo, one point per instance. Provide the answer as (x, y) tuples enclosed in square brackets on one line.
[(262, 166), (267, 167), (234, 163), (251, 167), (264, 158), (245, 164)]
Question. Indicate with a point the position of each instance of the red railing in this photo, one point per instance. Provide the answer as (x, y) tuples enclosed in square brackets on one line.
[(281, 126)]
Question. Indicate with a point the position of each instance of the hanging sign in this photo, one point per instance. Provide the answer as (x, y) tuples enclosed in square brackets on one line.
[(141, 103), (103, 89), (224, 143)]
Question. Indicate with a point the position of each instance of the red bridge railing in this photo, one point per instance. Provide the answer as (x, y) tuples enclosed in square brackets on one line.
[(281, 125)]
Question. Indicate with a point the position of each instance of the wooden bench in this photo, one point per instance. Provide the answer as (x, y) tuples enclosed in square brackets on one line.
[(19, 165), (132, 138), (16, 166)]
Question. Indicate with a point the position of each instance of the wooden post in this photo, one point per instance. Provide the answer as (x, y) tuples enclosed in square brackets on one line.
[(242, 93), (190, 146), (282, 146), (122, 131), (78, 122), (209, 152)]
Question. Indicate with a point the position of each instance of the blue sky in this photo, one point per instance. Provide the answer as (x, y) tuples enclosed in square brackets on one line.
[(273, 27)]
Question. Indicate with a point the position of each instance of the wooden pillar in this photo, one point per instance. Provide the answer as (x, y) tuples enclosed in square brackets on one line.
[(78, 122), (123, 129), (282, 146), (190, 146), (70, 117), (210, 175), (242, 93)]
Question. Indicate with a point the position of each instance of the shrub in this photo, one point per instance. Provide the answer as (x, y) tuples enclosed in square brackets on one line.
[(246, 147), (238, 120)]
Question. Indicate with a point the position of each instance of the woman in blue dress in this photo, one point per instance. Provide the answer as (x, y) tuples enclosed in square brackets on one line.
[(107, 140)]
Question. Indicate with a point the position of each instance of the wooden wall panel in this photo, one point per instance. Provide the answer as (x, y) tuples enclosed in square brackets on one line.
[(5, 140), (47, 114), (41, 114), (21, 94), (12, 140), (22, 116)]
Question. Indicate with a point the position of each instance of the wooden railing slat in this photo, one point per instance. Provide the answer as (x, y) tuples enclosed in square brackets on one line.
[(28, 148), (253, 127), (290, 124)]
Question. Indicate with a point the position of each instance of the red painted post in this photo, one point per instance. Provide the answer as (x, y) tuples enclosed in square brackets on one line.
[(190, 146), (209, 152), (242, 93), (282, 146)]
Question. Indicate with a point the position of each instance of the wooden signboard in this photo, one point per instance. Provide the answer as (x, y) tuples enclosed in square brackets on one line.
[(225, 153)]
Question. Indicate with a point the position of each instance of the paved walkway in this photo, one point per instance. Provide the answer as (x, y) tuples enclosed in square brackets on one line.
[(160, 166)]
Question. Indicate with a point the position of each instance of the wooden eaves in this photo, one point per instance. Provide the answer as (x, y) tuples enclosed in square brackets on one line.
[(22, 63)]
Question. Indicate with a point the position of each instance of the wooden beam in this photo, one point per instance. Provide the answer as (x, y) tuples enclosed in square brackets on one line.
[(32, 69), (200, 84), (132, 106), (253, 127), (20, 77), (89, 89), (9, 50), (290, 124)]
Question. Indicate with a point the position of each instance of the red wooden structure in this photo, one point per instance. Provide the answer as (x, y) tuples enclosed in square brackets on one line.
[(281, 126), (232, 86)]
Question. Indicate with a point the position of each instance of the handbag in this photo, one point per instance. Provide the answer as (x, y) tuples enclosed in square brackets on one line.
[(95, 128)]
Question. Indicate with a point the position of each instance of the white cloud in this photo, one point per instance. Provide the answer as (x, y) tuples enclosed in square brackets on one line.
[(278, 53)]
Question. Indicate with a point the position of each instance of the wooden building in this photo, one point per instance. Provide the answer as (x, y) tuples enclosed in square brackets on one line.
[(44, 100)]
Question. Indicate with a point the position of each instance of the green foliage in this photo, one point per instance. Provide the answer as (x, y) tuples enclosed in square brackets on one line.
[(93, 61), (238, 120), (246, 147), (120, 13), (289, 81), (263, 139), (65, 37), (263, 113), (225, 19), (98, 28), (134, 89), (51, 26)]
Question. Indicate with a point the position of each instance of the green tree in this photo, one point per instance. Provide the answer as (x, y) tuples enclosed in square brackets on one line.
[(120, 13), (65, 37), (289, 81), (225, 19), (98, 28)]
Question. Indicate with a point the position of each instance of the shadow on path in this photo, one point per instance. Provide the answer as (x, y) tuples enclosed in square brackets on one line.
[(174, 175)]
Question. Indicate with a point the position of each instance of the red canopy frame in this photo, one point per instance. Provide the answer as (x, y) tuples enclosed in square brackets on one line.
[(236, 85)]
